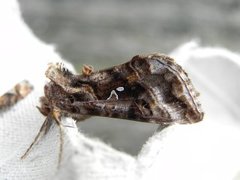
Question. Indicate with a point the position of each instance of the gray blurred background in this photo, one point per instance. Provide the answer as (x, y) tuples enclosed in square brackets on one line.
[(108, 32)]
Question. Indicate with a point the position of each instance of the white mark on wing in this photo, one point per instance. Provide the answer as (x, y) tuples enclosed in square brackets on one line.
[(120, 89), (113, 93)]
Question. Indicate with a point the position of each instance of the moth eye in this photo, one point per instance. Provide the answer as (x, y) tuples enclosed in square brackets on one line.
[(120, 89)]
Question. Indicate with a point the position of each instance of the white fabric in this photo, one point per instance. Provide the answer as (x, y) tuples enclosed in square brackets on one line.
[(206, 150)]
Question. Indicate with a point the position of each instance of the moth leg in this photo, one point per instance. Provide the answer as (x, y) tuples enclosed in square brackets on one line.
[(57, 119), (48, 125), (43, 130)]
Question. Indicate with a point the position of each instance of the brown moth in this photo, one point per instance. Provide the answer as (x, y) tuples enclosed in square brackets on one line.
[(151, 88), (17, 93)]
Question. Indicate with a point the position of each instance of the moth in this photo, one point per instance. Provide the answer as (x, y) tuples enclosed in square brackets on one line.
[(149, 88)]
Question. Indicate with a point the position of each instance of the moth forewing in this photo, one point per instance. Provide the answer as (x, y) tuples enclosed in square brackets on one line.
[(151, 88), (122, 109), (152, 83)]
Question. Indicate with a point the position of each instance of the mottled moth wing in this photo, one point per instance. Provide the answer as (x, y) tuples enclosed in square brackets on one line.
[(154, 89), (17, 93), (150, 88)]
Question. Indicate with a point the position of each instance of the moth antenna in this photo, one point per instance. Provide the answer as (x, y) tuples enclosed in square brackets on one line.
[(38, 136), (61, 145)]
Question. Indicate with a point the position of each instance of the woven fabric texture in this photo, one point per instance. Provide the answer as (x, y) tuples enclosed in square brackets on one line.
[(206, 150)]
